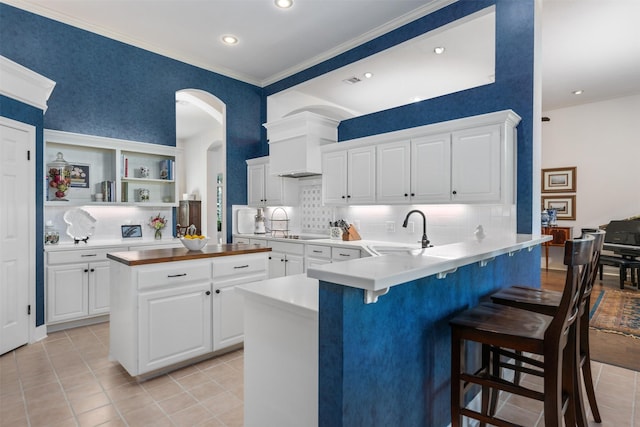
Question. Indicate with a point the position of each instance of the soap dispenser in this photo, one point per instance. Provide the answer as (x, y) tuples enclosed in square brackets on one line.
[(259, 223)]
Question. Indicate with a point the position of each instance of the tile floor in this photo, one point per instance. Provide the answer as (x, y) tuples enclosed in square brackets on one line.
[(67, 380)]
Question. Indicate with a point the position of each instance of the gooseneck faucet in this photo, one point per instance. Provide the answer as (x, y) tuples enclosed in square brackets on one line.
[(425, 241)]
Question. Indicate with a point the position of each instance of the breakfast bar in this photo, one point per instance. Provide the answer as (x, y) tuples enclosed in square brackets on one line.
[(384, 338)]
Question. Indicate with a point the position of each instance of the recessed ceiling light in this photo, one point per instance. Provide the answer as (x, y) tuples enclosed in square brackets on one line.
[(229, 39), (577, 92), (284, 4), (438, 50), (368, 75)]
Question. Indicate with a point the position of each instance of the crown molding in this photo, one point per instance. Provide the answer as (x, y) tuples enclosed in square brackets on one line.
[(24, 85)]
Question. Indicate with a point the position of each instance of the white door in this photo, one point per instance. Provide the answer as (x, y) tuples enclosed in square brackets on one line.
[(273, 191), (67, 292), (99, 287), (476, 165), (228, 322), (431, 169), (334, 177), (393, 172), (361, 176), (174, 325), (17, 226), (276, 265), (255, 185), (294, 265)]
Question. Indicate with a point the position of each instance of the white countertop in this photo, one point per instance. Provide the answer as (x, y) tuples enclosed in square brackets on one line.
[(297, 293), (110, 243), (381, 272)]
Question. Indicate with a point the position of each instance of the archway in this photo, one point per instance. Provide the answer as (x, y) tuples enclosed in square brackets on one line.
[(201, 134)]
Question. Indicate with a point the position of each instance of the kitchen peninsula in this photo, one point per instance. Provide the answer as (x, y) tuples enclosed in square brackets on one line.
[(171, 306), (384, 339)]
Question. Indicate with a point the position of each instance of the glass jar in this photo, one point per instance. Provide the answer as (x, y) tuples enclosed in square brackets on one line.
[(59, 174), (51, 235)]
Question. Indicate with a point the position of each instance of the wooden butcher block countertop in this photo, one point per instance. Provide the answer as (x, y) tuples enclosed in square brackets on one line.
[(154, 256)]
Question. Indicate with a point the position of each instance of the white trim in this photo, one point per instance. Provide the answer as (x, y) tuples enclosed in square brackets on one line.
[(31, 220), (24, 85)]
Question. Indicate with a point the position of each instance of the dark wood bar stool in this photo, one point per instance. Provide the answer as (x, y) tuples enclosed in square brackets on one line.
[(496, 326), (547, 302)]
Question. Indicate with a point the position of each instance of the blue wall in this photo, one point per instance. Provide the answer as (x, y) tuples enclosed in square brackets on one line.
[(111, 89), (24, 113)]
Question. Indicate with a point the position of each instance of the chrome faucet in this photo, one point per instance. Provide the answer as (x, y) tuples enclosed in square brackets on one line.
[(425, 242)]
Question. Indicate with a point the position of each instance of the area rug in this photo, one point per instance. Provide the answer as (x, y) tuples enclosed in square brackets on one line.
[(616, 312)]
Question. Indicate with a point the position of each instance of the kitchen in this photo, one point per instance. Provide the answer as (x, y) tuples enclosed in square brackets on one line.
[(158, 128)]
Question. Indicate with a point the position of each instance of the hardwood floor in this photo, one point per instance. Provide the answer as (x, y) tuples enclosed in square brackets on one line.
[(609, 348)]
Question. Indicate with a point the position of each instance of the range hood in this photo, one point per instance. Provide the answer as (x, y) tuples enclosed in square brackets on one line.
[(295, 141)]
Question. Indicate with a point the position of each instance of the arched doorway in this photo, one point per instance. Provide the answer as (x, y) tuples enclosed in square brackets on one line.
[(201, 134)]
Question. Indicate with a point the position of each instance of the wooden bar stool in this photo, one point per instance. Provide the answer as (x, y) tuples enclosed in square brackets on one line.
[(547, 302), (496, 326)]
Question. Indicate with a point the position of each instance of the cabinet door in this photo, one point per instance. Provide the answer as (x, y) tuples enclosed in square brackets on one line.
[(277, 265), (361, 176), (294, 264), (174, 325), (99, 287), (431, 169), (476, 165), (334, 177), (67, 289), (228, 321), (393, 165), (273, 192), (255, 185)]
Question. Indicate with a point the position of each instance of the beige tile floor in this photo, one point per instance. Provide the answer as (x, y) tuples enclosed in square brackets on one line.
[(67, 380)]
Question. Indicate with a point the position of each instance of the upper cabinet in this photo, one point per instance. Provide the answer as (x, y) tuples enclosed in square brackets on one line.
[(470, 160), (110, 171), (348, 176), (264, 189)]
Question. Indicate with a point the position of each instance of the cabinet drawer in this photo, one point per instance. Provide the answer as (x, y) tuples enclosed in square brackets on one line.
[(288, 248), (173, 273), (344, 254), (85, 255), (260, 242), (318, 251), (231, 267), (242, 240)]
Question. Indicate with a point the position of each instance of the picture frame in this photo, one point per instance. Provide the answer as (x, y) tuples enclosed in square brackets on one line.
[(559, 180), (565, 206), (131, 231), (80, 175)]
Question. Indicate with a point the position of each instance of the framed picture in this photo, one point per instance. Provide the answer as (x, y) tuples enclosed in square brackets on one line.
[(565, 206), (559, 180), (129, 231), (79, 175)]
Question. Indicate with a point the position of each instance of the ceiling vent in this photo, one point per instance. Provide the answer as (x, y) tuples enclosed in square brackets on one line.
[(352, 80)]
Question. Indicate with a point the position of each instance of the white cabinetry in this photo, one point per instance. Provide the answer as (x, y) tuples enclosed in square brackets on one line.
[(286, 259), (115, 164), (264, 189), (166, 313), (77, 284), (469, 160), (348, 176), (477, 165), (228, 305), (317, 255)]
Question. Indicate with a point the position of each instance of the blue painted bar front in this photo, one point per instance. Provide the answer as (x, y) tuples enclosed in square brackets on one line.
[(388, 363)]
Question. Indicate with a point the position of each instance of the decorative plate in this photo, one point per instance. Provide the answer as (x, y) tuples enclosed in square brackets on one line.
[(80, 224)]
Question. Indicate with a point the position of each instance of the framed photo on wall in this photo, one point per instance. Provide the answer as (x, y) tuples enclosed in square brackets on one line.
[(80, 175), (559, 180), (565, 206)]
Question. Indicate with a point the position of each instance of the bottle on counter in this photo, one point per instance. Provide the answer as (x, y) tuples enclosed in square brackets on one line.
[(51, 235)]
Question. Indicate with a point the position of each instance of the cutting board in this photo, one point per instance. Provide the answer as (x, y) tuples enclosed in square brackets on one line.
[(245, 221)]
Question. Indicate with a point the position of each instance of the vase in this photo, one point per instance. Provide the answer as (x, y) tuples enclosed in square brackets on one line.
[(158, 234)]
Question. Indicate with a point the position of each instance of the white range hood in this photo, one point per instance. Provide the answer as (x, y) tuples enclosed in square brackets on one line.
[(294, 143)]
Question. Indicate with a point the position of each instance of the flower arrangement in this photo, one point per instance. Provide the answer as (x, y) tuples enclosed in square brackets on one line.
[(157, 223)]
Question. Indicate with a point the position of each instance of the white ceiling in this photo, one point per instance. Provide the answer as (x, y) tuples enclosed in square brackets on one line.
[(593, 45)]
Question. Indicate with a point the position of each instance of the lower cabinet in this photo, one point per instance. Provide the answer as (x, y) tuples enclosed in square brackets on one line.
[(286, 259), (77, 290), (174, 324), (166, 313)]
